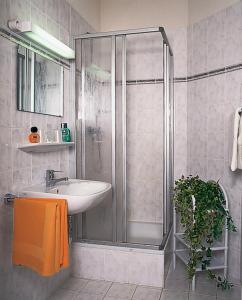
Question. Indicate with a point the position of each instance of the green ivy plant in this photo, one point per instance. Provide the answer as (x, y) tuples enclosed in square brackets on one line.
[(203, 226)]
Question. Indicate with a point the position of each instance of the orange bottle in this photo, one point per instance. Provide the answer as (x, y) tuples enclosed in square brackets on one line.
[(34, 137)]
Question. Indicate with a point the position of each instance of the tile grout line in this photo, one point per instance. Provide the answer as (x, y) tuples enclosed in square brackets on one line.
[(136, 286), (161, 293), (108, 290)]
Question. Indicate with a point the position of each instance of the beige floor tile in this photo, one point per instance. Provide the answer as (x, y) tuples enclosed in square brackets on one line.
[(75, 284), (174, 295), (179, 272), (146, 293), (121, 290), (233, 294), (112, 298), (181, 284), (196, 296), (97, 287), (84, 296), (206, 286), (63, 294)]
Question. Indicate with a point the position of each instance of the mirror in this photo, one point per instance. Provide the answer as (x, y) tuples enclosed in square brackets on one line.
[(40, 83)]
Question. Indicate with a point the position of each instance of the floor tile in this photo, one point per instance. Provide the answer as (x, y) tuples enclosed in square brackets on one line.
[(63, 294), (233, 294), (176, 288), (196, 296), (179, 272), (112, 298), (174, 295), (205, 286), (75, 284), (97, 287), (84, 296), (147, 293), (177, 284), (121, 290)]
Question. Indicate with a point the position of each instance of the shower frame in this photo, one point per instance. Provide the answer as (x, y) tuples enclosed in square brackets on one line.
[(168, 131)]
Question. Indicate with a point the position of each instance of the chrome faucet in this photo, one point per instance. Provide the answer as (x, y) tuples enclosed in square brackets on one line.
[(50, 178)]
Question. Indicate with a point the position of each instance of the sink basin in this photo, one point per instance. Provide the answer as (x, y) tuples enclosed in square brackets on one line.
[(81, 195)]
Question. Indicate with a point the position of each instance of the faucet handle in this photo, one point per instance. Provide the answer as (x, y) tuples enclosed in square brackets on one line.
[(50, 174), (53, 173)]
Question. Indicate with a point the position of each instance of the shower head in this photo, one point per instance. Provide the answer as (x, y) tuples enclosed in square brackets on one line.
[(98, 72)]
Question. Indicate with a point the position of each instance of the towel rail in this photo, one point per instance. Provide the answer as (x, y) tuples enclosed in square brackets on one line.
[(9, 198)]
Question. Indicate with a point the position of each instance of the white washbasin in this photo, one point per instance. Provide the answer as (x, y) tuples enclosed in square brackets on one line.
[(81, 195)]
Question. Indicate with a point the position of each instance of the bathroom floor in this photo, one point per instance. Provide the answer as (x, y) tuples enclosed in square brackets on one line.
[(177, 287)]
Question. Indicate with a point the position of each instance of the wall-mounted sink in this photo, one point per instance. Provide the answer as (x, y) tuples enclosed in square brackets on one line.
[(81, 195)]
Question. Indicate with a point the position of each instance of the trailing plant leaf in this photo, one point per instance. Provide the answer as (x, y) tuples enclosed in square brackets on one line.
[(205, 224), (209, 252)]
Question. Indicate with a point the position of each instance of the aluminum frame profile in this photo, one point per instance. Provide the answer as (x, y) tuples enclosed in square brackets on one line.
[(127, 32), (113, 35)]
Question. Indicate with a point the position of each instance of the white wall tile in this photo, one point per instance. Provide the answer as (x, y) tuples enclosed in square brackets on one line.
[(38, 17), (199, 50), (233, 39), (117, 264), (216, 40), (88, 263)]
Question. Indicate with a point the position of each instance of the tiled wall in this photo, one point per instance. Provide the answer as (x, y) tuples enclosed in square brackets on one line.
[(18, 169), (212, 43)]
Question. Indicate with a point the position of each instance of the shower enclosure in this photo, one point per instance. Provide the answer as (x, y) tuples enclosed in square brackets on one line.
[(124, 135)]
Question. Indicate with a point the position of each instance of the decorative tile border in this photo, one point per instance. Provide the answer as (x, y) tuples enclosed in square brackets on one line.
[(198, 76)]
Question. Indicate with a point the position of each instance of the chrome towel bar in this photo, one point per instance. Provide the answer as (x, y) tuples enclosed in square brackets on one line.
[(9, 198)]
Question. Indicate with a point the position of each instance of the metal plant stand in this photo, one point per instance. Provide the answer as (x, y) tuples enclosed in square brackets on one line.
[(183, 253)]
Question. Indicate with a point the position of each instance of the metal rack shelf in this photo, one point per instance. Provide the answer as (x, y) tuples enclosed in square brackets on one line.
[(184, 257), (183, 253)]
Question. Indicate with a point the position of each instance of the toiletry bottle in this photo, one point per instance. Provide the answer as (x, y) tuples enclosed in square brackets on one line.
[(34, 136), (65, 133)]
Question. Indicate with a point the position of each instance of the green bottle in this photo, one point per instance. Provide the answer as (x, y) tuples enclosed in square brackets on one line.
[(65, 133)]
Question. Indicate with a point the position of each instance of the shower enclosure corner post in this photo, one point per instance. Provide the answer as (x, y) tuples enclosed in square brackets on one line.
[(113, 96), (83, 122), (165, 137), (73, 99), (124, 130), (73, 220), (168, 174), (172, 135)]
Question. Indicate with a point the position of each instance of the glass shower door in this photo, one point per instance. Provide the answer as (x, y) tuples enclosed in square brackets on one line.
[(95, 127), (145, 138), (168, 182)]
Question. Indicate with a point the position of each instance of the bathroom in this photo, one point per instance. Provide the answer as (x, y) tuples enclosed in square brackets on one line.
[(129, 95)]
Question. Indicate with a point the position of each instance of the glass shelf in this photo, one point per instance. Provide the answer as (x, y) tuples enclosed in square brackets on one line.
[(45, 147)]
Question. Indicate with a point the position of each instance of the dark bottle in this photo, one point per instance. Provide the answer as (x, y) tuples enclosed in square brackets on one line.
[(65, 133)]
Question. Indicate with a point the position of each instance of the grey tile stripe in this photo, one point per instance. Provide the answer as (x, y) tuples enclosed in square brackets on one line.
[(198, 76)]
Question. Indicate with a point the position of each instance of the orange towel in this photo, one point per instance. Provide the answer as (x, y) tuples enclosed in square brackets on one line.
[(40, 239)]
